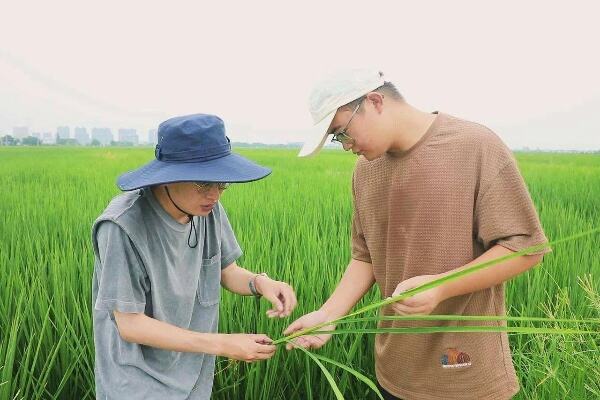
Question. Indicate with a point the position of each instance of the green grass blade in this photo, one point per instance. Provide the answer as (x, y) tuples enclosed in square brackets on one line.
[(326, 372), (465, 329), (354, 372), (466, 318), (437, 282)]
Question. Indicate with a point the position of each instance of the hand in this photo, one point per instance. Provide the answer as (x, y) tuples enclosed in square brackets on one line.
[(421, 303), (280, 294), (245, 347), (307, 321)]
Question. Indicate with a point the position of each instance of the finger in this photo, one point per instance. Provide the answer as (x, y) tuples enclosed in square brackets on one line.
[(315, 342), (274, 299), (294, 299), (272, 313), (266, 348), (403, 309), (261, 338), (399, 290), (287, 301), (293, 327), (292, 344)]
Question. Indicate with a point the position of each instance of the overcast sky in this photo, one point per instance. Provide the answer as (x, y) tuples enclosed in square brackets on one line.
[(529, 70)]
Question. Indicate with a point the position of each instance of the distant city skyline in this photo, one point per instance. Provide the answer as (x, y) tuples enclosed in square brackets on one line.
[(527, 70)]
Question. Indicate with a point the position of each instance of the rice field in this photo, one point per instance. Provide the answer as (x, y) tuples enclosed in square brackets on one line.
[(295, 225)]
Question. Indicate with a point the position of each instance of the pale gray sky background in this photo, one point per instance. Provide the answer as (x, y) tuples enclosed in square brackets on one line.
[(527, 69)]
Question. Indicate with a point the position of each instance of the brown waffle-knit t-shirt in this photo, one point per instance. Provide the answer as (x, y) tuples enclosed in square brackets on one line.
[(453, 195)]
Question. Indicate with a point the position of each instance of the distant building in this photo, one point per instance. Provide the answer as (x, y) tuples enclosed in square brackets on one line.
[(82, 136), (152, 136), (20, 132), (63, 132), (48, 138), (36, 135), (128, 136), (102, 135)]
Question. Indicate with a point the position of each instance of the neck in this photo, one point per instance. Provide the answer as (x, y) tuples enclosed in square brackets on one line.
[(167, 205), (410, 125)]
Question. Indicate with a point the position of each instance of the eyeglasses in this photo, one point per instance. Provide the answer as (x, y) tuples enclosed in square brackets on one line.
[(204, 187), (342, 137)]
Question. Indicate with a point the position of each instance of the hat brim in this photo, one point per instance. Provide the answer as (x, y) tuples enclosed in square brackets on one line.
[(232, 168), (317, 137)]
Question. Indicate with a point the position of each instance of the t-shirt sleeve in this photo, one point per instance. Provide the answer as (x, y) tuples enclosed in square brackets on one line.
[(230, 249), (505, 214), (121, 276), (359, 249)]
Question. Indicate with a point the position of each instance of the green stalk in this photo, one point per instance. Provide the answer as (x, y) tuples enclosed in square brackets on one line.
[(459, 329), (437, 282), (467, 318)]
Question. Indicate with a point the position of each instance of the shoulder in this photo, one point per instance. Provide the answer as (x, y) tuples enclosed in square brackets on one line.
[(124, 203), (123, 210), (469, 131), (477, 139)]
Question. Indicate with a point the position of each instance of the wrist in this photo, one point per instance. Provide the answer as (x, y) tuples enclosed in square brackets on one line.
[(209, 343), (257, 282), (443, 291), (329, 313), (261, 280)]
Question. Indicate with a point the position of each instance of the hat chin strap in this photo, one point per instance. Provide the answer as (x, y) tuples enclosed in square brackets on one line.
[(190, 216)]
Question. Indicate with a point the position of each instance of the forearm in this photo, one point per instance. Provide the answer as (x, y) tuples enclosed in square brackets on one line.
[(235, 279), (357, 281), (488, 277), (142, 329)]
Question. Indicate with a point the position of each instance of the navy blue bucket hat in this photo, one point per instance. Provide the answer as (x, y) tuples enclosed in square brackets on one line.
[(193, 148)]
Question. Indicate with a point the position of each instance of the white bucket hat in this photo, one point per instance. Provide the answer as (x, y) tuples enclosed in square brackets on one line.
[(329, 94)]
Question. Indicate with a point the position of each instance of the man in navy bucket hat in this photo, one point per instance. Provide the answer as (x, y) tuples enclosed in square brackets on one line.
[(162, 249)]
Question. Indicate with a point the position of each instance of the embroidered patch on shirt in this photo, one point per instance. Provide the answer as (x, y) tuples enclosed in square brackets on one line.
[(454, 358)]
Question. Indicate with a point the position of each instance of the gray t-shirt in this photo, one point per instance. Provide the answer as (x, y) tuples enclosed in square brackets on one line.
[(143, 264)]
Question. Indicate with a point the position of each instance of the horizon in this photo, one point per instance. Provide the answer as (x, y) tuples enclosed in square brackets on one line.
[(535, 84)]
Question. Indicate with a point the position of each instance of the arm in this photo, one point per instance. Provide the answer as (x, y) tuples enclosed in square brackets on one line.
[(426, 302), (357, 280), (489, 277), (142, 329), (235, 279)]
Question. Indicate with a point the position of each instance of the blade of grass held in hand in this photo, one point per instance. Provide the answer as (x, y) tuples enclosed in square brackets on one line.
[(466, 318), (463, 329), (437, 282)]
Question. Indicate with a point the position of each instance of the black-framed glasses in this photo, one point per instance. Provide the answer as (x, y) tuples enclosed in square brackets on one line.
[(204, 187), (341, 136)]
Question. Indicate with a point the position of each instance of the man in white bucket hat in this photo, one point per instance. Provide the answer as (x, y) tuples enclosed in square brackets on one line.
[(432, 194)]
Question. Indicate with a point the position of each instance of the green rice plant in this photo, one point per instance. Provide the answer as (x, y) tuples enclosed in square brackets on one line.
[(294, 225)]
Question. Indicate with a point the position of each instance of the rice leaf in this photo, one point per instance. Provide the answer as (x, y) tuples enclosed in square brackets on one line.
[(437, 282), (353, 372), (328, 376), (431, 317), (465, 329)]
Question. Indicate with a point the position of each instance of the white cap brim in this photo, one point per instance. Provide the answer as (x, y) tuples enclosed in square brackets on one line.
[(316, 139)]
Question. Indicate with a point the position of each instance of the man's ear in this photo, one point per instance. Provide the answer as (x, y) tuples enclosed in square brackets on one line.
[(376, 99)]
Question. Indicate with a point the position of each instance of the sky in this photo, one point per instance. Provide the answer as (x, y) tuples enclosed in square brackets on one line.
[(528, 70)]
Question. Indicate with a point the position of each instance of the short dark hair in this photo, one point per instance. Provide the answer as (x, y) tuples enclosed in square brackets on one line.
[(388, 88)]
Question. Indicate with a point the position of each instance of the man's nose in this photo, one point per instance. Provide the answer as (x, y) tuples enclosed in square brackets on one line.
[(347, 146)]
